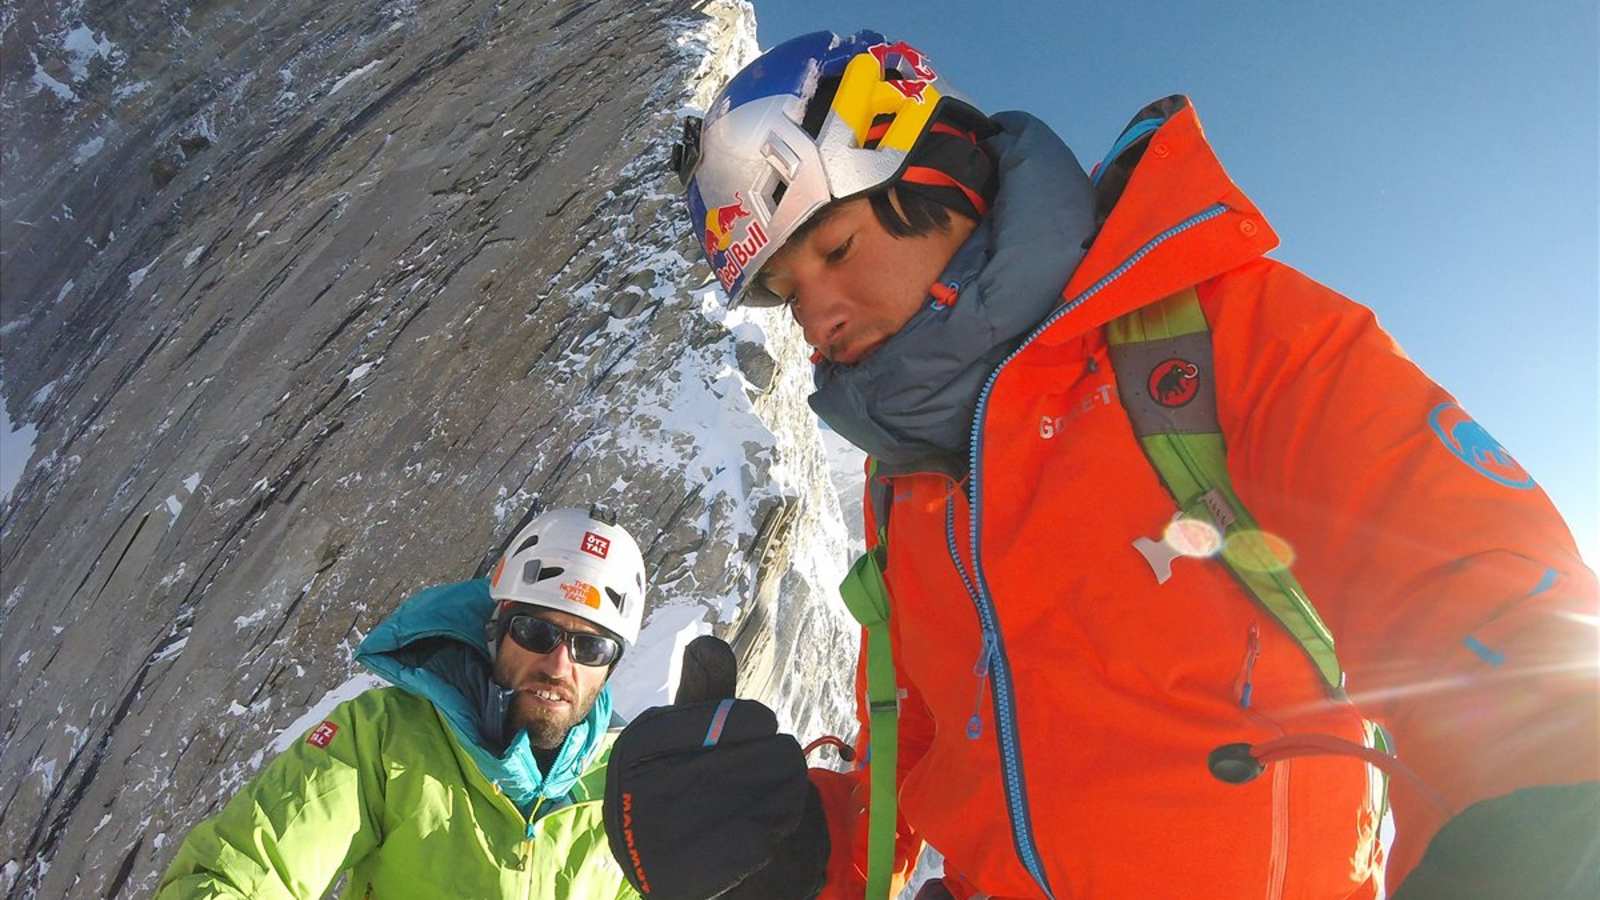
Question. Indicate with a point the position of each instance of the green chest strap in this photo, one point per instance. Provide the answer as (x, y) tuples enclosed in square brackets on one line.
[(867, 597), (1162, 357)]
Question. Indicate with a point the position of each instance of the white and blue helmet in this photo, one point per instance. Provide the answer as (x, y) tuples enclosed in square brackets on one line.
[(815, 119)]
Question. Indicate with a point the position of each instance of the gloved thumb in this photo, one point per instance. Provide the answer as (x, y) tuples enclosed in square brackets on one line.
[(705, 798), (710, 671)]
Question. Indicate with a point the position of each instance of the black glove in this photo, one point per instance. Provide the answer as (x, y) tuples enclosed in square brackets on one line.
[(1539, 843), (705, 799)]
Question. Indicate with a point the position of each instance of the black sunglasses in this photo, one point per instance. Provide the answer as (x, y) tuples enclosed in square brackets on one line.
[(542, 636)]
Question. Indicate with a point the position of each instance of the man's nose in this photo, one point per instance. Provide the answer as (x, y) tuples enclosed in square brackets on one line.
[(819, 317), (557, 662)]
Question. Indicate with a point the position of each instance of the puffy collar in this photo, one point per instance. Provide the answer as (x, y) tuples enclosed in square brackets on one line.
[(910, 404)]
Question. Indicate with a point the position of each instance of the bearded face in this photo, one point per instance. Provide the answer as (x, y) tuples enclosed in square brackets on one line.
[(553, 693)]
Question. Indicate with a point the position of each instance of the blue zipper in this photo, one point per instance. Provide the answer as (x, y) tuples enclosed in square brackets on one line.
[(994, 646), (980, 669), (955, 554)]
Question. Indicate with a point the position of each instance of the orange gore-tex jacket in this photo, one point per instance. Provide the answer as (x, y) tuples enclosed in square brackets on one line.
[(1462, 613)]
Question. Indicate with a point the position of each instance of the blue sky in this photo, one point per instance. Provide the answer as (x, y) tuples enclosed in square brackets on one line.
[(1437, 162)]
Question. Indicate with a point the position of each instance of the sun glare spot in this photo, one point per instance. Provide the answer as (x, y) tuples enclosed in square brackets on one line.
[(1258, 551), (1193, 538)]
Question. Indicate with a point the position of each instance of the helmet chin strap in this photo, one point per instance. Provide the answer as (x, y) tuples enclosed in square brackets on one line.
[(494, 631)]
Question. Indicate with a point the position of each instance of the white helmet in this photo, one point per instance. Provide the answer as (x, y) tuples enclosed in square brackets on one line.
[(577, 562)]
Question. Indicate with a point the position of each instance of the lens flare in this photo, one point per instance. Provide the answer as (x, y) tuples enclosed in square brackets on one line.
[(1193, 538), (1258, 551)]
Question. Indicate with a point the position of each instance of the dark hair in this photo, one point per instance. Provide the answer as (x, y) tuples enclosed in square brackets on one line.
[(922, 214)]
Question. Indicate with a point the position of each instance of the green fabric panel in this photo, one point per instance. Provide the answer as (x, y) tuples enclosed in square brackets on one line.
[(310, 814), (399, 803), (1178, 314), (1381, 743), (867, 598)]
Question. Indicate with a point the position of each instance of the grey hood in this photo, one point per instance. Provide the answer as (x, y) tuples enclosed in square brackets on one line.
[(910, 404)]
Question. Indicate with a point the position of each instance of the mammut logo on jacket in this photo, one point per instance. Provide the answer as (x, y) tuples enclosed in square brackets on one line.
[(1050, 426), (1174, 382), (1473, 445)]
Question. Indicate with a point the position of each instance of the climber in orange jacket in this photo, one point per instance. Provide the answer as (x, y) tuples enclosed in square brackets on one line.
[(1093, 700)]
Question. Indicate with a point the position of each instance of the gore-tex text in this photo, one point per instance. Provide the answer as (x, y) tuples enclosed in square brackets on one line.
[(1099, 398)]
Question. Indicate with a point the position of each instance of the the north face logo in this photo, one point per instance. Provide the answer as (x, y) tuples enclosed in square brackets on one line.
[(581, 593)]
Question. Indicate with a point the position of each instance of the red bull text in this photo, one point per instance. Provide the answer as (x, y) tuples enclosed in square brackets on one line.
[(729, 257)]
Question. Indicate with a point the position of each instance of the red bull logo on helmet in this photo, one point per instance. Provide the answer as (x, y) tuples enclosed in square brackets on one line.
[(719, 224), (727, 253), (912, 66)]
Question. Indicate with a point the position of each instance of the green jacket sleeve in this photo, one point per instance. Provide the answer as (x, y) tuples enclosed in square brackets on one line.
[(313, 812)]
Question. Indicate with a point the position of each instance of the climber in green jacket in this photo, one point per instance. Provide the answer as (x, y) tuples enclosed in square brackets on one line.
[(480, 771)]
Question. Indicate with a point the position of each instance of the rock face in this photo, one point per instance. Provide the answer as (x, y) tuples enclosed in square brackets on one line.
[(310, 304)]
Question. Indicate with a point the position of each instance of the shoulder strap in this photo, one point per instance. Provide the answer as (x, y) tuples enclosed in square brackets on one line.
[(867, 597), (1162, 357)]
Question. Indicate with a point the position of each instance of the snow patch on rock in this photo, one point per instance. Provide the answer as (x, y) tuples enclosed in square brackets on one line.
[(88, 150), (648, 674), (41, 81), (137, 277), (352, 75), (83, 46), (16, 448)]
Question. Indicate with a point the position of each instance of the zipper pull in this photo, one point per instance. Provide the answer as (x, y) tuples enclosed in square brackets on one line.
[(981, 668), (981, 671), (1243, 688), (944, 294)]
